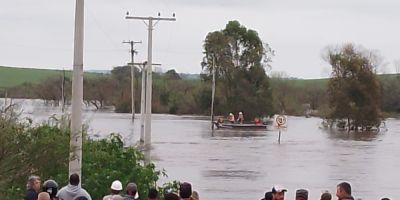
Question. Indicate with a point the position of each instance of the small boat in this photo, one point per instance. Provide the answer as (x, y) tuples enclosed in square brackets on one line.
[(240, 126)]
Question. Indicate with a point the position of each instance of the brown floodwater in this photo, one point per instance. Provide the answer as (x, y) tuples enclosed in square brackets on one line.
[(244, 165)]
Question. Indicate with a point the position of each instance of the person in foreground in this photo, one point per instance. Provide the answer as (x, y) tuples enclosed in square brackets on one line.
[(116, 188), (343, 191), (33, 187), (278, 192), (73, 189), (131, 192)]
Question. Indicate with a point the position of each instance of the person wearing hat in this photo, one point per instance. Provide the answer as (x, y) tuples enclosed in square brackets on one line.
[(301, 194), (278, 192), (116, 188)]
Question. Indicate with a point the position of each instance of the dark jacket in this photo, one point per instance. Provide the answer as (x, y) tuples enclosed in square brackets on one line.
[(31, 194), (347, 198), (128, 197)]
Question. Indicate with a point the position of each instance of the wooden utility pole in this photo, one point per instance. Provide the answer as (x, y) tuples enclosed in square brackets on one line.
[(132, 51)]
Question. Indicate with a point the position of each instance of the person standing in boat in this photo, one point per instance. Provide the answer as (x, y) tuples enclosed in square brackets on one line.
[(231, 118), (240, 118)]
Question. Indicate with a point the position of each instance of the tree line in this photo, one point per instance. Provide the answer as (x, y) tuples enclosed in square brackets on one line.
[(240, 59)]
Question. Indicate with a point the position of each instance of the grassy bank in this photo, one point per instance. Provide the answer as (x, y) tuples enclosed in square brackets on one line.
[(13, 76)]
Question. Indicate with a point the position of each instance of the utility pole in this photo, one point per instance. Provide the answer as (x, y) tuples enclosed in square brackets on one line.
[(133, 51), (143, 99), (63, 92), (150, 25), (75, 159), (212, 93)]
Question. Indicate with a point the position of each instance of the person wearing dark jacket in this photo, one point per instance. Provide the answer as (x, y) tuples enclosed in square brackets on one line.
[(343, 191), (33, 187)]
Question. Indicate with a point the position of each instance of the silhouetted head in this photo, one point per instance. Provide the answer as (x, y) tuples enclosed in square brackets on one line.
[(74, 179)]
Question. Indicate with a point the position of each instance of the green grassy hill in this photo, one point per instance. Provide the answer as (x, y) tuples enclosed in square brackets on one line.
[(13, 76)]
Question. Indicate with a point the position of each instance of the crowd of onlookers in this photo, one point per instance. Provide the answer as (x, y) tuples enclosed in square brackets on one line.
[(343, 192), (73, 191)]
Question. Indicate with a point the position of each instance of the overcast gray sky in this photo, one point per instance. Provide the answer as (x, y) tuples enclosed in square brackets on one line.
[(40, 33)]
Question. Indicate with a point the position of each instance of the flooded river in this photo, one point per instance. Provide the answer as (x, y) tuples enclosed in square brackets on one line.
[(244, 165)]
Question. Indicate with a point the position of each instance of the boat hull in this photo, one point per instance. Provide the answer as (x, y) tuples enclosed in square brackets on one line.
[(240, 126)]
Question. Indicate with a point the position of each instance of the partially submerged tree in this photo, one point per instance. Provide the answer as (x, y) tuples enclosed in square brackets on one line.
[(353, 89), (239, 58)]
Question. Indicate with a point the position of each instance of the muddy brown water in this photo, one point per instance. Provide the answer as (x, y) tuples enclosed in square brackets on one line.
[(244, 165)]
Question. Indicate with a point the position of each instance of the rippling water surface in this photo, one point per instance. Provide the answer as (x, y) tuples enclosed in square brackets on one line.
[(243, 165)]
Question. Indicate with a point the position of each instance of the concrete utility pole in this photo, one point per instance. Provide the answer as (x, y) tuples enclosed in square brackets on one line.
[(133, 51), (143, 99), (212, 93), (75, 160), (150, 25)]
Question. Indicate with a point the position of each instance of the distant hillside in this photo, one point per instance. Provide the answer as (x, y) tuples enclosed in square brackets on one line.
[(13, 76)]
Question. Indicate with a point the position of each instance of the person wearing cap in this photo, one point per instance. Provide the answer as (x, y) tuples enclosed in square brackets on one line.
[(301, 194), (231, 118), (185, 191), (278, 192), (240, 118), (116, 188), (326, 196), (343, 191), (131, 192)]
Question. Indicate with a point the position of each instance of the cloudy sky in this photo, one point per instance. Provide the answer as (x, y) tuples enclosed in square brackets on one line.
[(40, 33)]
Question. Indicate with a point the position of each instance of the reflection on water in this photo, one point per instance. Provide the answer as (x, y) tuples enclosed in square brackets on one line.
[(243, 165), (357, 136)]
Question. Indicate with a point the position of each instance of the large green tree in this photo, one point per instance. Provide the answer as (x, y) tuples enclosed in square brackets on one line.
[(354, 91), (239, 57)]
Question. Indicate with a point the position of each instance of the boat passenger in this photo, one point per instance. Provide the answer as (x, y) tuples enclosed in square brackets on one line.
[(240, 118), (257, 121), (231, 118)]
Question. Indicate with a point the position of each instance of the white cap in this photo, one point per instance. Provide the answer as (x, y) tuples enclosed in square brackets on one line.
[(278, 188), (116, 185)]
